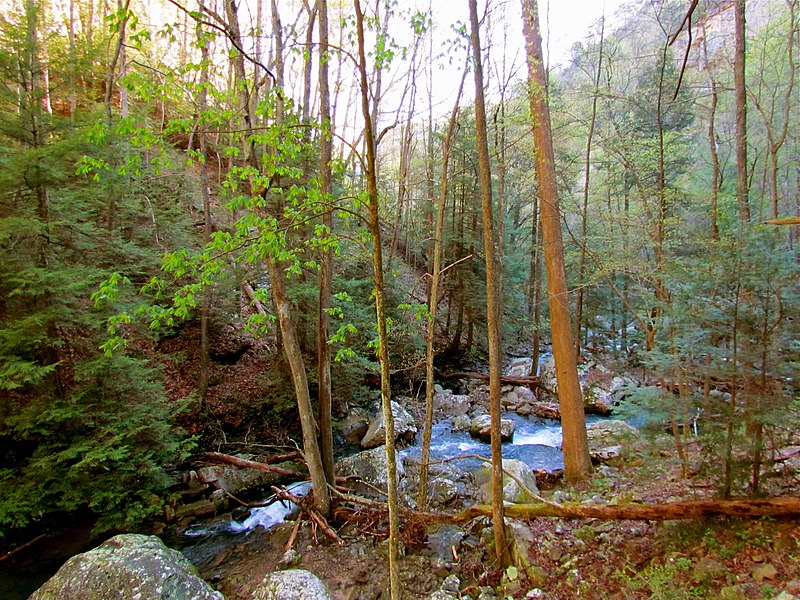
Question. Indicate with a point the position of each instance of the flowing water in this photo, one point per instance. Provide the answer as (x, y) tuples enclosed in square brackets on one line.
[(537, 442)]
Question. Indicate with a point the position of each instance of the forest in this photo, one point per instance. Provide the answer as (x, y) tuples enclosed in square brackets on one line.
[(243, 231)]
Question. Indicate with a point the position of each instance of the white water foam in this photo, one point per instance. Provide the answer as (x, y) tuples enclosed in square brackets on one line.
[(544, 436), (273, 514)]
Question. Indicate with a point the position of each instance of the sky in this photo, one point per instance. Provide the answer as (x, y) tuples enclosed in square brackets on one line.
[(563, 22)]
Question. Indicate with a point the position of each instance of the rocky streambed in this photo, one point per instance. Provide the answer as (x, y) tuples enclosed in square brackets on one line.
[(237, 552)]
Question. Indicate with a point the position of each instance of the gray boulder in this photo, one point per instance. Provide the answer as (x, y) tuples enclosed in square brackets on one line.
[(404, 427), (608, 440), (519, 367), (512, 491), (602, 390), (460, 423), (369, 465), (447, 404), (236, 480), (292, 584), (481, 428), (127, 567)]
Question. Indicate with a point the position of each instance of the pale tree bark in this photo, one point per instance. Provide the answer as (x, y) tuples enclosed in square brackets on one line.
[(433, 301), (742, 186), (380, 308), (277, 36), (309, 60), (712, 142), (73, 61), (493, 301), (326, 262), (577, 464)]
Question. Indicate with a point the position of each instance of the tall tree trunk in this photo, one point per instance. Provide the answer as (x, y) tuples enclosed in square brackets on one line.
[(712, 143), (73, 61), (380, 308), (116, 68), (493, 301), (742, 186), (326, 262), (202, 105), (577, 464), (308, 62)]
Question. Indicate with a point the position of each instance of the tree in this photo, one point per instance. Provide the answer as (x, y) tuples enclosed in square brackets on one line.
[(493, 287), (577, 464), (326, 262), (371, 173), (742, 186)]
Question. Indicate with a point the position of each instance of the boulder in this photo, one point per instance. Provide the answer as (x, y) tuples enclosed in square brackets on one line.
[(546, 410), (127, 567), (447, 404), (447, 483), (404, 428), (510, 400), (236, 480), (525, 394), (292, 584), (355, 431), (602, 390), (461, 423), (522, 543), (512, 491), (369, 465), (480, 428), (607, 440), (519, 367)]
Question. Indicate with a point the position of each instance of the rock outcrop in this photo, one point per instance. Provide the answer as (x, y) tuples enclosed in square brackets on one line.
[(405, 428), (608, 440), (481, 428), (602, 390), (292, 584), (512, 491), (127, 567), (369, 465), (446, 404)]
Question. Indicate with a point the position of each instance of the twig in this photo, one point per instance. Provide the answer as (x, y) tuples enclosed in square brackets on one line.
[(27, 544), (293, 535), (315, 517)]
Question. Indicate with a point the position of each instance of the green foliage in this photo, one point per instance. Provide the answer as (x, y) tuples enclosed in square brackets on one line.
[(83, 200), (92, 449)]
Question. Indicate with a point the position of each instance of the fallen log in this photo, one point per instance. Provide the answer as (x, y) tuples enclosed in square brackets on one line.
[(773, 507), (506, 379), (227, 459)]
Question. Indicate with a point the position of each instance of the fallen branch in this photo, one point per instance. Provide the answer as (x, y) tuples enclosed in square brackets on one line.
[(293, 536), (313, 514), (506, 379), (251, 295), (21, 547), (785, 506), (220, 458)]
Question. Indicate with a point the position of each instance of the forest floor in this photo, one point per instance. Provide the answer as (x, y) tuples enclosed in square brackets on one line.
[(721, 558)]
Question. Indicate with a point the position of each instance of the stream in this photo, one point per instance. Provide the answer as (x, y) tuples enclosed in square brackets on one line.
[(536, 442)]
